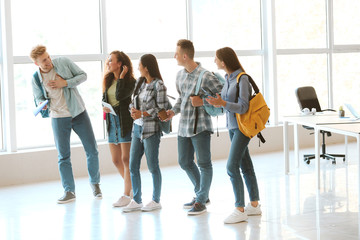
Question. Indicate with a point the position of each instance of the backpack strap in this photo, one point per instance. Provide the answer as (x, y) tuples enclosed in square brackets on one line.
[(197, 89), (256, 90), (198, 83), (37, 81)]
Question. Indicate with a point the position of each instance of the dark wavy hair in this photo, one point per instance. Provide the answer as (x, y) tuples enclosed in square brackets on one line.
[(109, 76), (149, 61), (229, 57)]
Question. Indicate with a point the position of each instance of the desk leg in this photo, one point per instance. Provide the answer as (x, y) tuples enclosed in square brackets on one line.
[(286, 147), (296, 144), (346, 150), (358, 158), (317, 157)]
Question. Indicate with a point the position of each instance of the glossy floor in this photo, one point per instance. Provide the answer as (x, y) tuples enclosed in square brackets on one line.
[(292, 208)]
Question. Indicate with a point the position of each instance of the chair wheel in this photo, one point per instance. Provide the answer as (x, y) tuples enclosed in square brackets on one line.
[(333, 161), (307, 160), (343, 159)]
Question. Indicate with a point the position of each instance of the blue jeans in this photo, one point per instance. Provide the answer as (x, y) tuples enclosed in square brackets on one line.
[(149, 146), (239, 157), (199, 144), (82, 127)]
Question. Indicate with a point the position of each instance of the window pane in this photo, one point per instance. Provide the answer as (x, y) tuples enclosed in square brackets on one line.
[(144, 26), (36, 131), (220, 23), (346, 21), (300, 24), (346, 82), (1, 115), (61, 25), (297, 71)]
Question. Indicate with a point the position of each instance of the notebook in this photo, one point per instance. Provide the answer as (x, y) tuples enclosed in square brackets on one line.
[(352, 110)]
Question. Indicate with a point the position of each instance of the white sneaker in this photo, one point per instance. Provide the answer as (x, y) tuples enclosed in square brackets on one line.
[(122, 202), (133, 206), (236, 216), (152, 205), (251, 211)]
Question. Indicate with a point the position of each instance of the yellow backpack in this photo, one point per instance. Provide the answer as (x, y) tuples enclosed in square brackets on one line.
[(253, 121)]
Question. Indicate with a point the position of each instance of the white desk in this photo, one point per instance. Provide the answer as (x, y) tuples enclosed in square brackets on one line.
[(326, 122)]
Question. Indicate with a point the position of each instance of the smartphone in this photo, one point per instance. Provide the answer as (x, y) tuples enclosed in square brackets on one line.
[(208, 93)]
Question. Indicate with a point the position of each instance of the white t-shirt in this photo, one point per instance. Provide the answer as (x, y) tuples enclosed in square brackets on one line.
[(58, 106), (141, 97)]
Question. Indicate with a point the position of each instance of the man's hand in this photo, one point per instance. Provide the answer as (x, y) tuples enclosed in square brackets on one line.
[(170, 114), (196, 101), (44, 107), (59, 82)]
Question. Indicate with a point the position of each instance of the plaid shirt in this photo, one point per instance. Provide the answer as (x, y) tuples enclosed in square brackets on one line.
[(155, 100), (185, 85)]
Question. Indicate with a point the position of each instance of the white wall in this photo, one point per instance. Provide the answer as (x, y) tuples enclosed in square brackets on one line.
[(26, 167)]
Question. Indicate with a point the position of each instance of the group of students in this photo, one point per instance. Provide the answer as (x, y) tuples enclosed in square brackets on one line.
[(135, 131)]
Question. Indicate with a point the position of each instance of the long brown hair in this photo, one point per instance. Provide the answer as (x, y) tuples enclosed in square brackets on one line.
[(109, 76), (229, 57)]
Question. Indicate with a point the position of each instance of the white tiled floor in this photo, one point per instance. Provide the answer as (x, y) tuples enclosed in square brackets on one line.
[(292, 208)]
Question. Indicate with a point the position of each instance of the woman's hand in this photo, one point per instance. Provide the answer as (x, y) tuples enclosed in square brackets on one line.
[(135, 114), (107, 110), (216, 101), (124, 70)]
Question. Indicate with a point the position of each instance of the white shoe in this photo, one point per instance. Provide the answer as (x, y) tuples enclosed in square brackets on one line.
[(152, 205), (236, 216), (133, 206), (251, 211), (122, 202)]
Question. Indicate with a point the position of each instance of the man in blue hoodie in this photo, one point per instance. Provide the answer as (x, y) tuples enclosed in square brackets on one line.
[(56, 81)]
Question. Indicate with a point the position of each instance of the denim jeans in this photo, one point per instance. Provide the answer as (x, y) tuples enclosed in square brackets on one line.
[(149, 146), (199, 144), (239, 157), (82, 127)]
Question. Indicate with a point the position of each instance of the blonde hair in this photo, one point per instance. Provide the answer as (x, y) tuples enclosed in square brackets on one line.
[(37, 51)]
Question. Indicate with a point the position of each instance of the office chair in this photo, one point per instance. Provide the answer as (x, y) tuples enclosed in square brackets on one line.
[(307, 98)]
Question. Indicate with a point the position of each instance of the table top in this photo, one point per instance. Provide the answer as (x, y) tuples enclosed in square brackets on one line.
[(320, 119)]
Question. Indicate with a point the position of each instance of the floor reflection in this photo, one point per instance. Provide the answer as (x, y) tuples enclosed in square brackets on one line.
[(292, 207)]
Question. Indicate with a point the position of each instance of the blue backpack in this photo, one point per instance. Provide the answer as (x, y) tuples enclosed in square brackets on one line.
[(44, 113), (211, 110)]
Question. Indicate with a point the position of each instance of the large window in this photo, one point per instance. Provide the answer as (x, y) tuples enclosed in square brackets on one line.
[(65, 27), (346, 22), (300, 24), (226, 23), (145, 26), (313, 43), (300, 70), (346, 74)]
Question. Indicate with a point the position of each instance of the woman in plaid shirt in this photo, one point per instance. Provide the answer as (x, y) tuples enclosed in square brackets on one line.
[(149, 98)]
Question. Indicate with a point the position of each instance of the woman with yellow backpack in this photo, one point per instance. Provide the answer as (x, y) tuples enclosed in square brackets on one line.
[(239, 157)]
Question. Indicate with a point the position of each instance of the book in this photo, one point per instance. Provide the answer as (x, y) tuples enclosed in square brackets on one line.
[(40, 107), (105, 104)]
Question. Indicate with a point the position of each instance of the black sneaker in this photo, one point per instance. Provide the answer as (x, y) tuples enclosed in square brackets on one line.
[(68, 197), (197, 209), (96, 190), (189, 205)]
